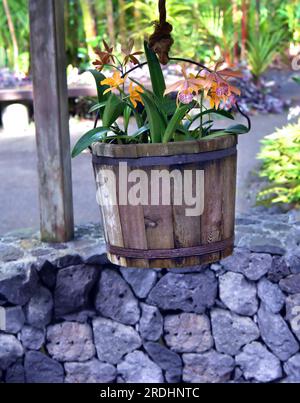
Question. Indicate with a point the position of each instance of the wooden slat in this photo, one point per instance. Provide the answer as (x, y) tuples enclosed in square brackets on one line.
[(159, 227), (229, 199), (144, 150), (187, 230), (133, 224), (211, 220), (111, 216), (52, 119)]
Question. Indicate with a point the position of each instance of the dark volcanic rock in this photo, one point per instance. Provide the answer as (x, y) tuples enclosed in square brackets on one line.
[(168, 361), (17, 282), (185, 292), (73, 287), (41, 369), (115, 299)]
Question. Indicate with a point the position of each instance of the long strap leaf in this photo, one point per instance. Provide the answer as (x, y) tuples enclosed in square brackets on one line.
[(156, 74), (176, 119), (157, 124)]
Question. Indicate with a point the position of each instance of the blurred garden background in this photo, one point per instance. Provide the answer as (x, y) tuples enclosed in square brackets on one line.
[(260, 37)]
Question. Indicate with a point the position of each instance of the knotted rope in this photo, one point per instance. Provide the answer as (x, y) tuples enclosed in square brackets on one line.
[(161, 40)]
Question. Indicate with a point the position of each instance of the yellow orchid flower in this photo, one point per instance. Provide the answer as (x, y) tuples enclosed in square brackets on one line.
[(113, 82), (135, 94)]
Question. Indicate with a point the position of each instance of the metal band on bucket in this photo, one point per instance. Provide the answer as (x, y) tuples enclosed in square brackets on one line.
[(152, 254), (167, 160)]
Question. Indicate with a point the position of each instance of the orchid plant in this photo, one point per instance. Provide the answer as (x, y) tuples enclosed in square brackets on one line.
[(182, 111)]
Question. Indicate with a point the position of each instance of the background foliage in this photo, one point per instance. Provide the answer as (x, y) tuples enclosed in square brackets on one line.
[(281, 166), (239, 30)]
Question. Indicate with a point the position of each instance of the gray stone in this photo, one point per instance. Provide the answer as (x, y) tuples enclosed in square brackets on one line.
[(271, 295), (47, 273), (231, 331), (188, 333), (70, 341), (13, 319), (260, 264), (189, 269), (41, 369), (15, 373), (17, 282), (238, 262), (293, 313), (292, 368), (138, 368), (10, 350), (276, 334), (291, 284), (238, 294), (167, 360), (151, 323), (92, 371), (113, 340), (67, 261), (39, 308), (185, 292), (73, 287), (210, 367), (81, 317), (263, 245), (293, 260), (258, 364), (279, 269), (141, 281), (115, 299), (9, 253), (32, 338)]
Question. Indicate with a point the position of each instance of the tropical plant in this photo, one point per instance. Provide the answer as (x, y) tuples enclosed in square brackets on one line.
[(281, 166), (160, 117), (262, 50)]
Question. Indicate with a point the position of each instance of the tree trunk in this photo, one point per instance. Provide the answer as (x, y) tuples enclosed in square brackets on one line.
[(236, 33), (110, 22), (245, 10), (89, 25), (122, 22), (13, 35), (137, 23)]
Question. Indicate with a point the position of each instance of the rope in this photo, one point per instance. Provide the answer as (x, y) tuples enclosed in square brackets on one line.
[(161, 40), (162, 11)]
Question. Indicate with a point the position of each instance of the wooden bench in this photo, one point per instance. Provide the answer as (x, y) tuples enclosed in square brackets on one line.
[(24, 96)]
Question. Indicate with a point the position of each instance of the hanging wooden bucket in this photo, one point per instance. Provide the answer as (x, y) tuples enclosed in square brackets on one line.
[(163, 235)]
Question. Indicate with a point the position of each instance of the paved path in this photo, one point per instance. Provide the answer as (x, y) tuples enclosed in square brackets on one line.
[(19, 186)]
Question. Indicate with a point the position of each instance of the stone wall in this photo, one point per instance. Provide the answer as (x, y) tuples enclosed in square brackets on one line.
[(67, 315)]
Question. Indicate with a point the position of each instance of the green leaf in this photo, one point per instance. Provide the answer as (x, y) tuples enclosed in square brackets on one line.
[(114, 108), (88, 139), (156, 74), (297, 80), (99, 77), (220, 112), (176, 119), (214, 135), (157, 124), (127, 115), (141, 131), (237, 129), (97, 107)]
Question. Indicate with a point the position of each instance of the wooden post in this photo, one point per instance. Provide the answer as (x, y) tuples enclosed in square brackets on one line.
[(48, 62)]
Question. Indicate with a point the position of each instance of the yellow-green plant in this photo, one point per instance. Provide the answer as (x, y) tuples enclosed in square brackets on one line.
[(280, 154)]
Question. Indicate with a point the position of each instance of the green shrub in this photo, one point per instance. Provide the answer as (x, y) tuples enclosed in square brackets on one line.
[(281, 166)]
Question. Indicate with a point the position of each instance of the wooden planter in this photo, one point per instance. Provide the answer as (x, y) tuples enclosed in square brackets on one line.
[(162, 236)]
